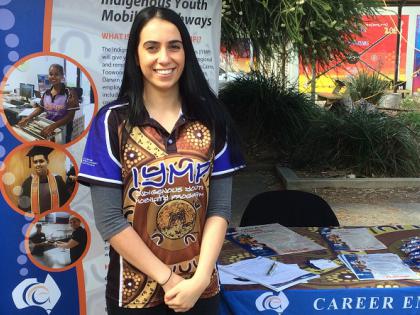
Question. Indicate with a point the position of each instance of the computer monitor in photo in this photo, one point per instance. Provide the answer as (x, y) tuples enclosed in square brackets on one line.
[(43, 83), (26, 90)]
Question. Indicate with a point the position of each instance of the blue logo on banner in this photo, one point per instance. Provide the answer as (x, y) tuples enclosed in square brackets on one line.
[(271, 301)]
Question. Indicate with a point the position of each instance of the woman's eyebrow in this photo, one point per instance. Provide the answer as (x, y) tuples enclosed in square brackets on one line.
[(175, 41), (150, 42), (153, 42)]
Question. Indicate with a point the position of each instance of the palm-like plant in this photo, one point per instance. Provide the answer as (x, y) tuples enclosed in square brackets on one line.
[(368, 86), (320, 30)]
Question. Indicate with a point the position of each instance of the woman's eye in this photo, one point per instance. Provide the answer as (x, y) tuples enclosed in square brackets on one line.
[(151, 48), (175, 47)]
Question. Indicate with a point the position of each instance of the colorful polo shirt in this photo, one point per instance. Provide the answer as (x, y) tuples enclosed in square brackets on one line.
[(165, 179), (55, 106)]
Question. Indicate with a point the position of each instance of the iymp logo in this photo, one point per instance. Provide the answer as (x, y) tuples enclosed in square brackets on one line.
[(270, 301), (30, 292)]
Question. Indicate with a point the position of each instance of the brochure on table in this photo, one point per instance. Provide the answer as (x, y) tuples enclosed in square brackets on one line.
[(271, 239), (378, 267), (355, 239), (269, 273)]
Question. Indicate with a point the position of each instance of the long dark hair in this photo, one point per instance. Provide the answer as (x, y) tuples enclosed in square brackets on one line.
[(198, 99)]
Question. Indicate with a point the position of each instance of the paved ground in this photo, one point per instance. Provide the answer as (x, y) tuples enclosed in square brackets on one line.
[(352, 206)]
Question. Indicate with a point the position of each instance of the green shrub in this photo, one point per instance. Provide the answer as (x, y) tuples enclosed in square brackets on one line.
[(267, 113), (369, 143), (412, 120), (368, 86), (410, 103)]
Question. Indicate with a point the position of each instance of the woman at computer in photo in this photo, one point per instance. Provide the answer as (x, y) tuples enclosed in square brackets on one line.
[(159, 160), (59, 103)]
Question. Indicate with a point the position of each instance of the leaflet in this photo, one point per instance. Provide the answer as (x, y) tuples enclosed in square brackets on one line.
[(271, 239), (356, 239), (269, 273), (378, 267)]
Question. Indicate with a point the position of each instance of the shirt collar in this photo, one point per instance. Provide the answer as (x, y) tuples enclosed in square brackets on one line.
[(61, 92), (147, 120)]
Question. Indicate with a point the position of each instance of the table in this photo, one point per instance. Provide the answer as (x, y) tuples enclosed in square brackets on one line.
[(32, 131), (337, 291)]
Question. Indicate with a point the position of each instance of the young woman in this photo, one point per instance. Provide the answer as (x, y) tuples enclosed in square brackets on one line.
[(59, 103), (155, 159)]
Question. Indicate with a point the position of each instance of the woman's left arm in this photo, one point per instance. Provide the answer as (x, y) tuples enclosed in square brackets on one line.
[(184, 295)]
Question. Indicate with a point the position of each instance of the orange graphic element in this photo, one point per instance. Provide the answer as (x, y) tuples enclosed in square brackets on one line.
[(24, 147), (78, 264), (40, 54), (47, 25)]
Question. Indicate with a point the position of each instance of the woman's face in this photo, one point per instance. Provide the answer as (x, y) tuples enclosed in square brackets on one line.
[(54, 76), (161, 55)]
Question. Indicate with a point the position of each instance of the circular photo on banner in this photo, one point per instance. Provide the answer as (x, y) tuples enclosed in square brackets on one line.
[(48, 96), (38, 177), (58, 240)]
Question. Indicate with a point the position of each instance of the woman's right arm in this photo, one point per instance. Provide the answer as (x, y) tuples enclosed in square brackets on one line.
[(23, 122), (113, 227)]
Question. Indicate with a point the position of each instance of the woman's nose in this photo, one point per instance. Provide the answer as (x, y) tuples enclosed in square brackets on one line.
[(163, 56)]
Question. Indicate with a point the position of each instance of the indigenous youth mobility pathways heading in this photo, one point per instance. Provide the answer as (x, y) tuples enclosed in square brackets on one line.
[(128, 11)]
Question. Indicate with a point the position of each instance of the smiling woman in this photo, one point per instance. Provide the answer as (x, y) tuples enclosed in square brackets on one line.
[(161, 58), (157, 190), (59, 103)]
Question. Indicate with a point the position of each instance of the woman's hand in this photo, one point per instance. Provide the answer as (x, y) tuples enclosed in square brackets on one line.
[(173, 281), (185, 294), (23, 122), (48, 131)]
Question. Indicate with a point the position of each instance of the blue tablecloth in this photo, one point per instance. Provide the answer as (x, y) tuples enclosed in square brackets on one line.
[(336, 292)]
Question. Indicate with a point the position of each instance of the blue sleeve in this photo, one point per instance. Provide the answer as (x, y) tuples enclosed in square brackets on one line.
[(100, 166), (223, 163)]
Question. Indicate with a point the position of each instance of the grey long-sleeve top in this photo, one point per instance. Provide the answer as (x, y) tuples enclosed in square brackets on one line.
[(110, 221)]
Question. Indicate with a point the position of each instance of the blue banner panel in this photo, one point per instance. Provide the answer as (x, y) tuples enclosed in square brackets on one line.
[(372, 301), (26, 289), (21, 30)]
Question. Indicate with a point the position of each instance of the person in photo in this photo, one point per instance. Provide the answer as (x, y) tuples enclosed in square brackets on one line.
[(42, 190), (38, 241), (59, 103), (78, 240)]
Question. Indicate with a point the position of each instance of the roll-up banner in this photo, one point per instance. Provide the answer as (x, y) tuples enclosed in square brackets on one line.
[(81, 43)]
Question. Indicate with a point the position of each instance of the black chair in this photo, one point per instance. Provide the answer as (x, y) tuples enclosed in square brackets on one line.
[(288, 208)]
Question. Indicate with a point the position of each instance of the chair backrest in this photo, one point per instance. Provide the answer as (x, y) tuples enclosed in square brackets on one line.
[(289, 208)]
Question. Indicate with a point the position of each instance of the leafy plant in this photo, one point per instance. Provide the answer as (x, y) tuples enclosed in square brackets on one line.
[(266, 111), (412, 120), (410, 103), (368, 86), (369, 143)]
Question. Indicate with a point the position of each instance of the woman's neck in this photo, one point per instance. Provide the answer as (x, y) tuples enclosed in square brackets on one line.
[(163, 106), (56, 89), (157, 102)]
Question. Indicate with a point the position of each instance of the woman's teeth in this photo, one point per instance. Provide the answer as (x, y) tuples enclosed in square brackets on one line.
[(164, 71)]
